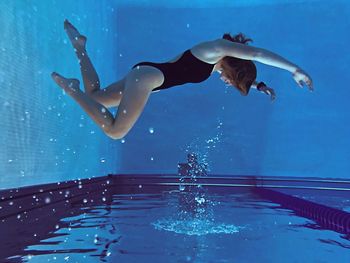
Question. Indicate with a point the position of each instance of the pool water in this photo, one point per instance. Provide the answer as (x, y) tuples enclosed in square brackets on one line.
[(178, 226)]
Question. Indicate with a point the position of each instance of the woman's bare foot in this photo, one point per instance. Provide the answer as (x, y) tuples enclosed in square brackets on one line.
[(78, 40), (70, 86)]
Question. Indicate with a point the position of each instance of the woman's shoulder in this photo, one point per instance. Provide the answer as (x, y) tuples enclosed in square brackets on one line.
[(207, 51)]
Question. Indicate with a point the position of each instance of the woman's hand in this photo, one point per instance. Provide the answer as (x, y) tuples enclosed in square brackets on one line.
[(268, 91), (301, 78)]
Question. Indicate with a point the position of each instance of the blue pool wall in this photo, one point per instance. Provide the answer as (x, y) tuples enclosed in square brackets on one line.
[(46, 137)]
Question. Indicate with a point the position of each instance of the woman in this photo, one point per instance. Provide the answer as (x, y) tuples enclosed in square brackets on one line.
[(230, 56)]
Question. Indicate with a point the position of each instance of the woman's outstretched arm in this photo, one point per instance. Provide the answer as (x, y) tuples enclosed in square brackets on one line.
[(229, 48)]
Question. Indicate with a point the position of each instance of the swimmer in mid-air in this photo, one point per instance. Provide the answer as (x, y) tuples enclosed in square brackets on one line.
[(230, 56)]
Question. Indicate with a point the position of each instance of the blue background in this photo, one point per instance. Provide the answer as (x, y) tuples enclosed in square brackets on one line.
[(46, 137)]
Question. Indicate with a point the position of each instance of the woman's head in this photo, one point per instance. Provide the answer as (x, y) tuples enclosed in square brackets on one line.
[(239, 73)]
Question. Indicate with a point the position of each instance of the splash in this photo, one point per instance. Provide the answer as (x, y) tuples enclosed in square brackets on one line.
[(195, 227), (198, 157), (194, 216), (195, 209), (203, 147)]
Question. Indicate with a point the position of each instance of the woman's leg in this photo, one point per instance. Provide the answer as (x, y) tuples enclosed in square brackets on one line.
[(111, 95), (133, 101)]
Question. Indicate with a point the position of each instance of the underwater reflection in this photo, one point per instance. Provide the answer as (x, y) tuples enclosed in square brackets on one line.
[(36, 231)]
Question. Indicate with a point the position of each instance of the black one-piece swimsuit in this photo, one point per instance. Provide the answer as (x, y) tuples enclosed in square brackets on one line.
[(187, 69)]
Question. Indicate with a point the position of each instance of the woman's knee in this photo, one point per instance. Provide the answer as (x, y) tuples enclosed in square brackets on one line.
[(116, 134)]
